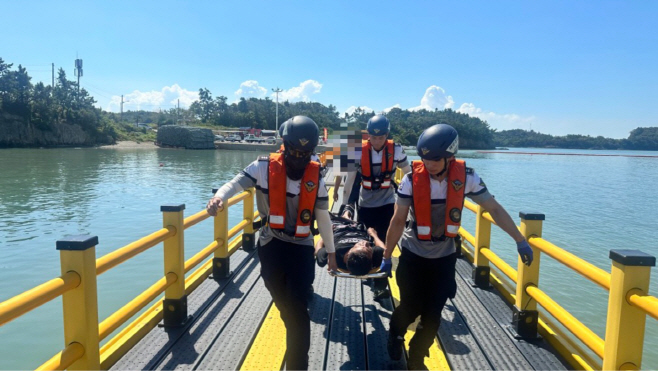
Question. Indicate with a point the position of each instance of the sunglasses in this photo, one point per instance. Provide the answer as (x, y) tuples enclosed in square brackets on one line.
[(298, 154)]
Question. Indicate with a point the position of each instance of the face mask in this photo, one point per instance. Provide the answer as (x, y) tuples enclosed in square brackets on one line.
[(295, 166)]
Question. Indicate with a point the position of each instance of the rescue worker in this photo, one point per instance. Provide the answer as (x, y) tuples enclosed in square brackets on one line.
[(289, 193), (314, 156), (426, 267), (379, 159)]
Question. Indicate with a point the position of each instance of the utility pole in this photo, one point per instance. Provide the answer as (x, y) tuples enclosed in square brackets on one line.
[(121, 116), (178, 113), (277, 91), (78, 71), (53, 84)]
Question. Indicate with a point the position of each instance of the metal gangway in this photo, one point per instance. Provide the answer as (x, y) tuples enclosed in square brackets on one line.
[(212, 311)]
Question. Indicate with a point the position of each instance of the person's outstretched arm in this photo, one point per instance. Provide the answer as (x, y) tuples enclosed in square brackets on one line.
[(378, 242), (505, 222), (395, 229), (323, 220), (347, 187), (239, 183), (337, 180)]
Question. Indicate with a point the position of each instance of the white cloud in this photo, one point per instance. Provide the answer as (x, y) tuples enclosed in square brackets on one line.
[(351, 110), (496, 120), (166, 98), (301, 93), (387, 110), (250, 88), (435, 98)]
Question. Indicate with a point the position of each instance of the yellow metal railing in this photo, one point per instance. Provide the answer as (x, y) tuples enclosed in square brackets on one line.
[(80, 268), (628, 305), (36, 297)]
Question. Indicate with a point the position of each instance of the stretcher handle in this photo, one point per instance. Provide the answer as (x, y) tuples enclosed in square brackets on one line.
[(362, 277)]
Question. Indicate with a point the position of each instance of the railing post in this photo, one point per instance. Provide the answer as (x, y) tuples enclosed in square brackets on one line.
[(221, 265), (525, 317), (80, 305), (175, 301), (624, 334), (248, 235), (482, 240)]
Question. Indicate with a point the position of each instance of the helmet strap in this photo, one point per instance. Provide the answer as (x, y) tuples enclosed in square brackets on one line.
[(445, 167)]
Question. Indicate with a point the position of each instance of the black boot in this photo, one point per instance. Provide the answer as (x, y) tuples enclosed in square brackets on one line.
[(416, 363), (416, 360), (394, 346)]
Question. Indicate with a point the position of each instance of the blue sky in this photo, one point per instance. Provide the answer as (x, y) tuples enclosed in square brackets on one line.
[(558, 67)]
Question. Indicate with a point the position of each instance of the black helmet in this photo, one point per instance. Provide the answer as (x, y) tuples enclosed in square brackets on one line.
[(437, 142), (300, 133), (378, 125)]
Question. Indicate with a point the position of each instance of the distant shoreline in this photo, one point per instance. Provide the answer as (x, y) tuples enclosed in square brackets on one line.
[(128, 144)]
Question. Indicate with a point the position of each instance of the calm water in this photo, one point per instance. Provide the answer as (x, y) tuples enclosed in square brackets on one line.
[(592, 204)]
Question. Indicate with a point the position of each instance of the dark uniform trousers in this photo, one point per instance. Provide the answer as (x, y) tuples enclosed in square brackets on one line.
[(288, 270), (378, 218), (425, 286)]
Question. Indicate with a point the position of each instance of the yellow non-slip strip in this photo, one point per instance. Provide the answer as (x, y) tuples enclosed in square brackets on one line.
[(269, 347), (437, 359)]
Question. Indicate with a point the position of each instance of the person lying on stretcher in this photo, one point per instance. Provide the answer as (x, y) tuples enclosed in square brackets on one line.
[(358, 251)]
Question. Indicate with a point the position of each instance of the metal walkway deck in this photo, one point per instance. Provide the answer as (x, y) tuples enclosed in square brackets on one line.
[(348, 329), (234, 326)]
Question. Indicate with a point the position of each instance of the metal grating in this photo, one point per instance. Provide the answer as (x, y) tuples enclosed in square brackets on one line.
[(347, 341), (320, 311), (538, 352), (150, 351)]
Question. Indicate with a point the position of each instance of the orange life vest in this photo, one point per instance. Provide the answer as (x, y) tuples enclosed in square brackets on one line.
[(383, 180), (454, 199), (308, 192)]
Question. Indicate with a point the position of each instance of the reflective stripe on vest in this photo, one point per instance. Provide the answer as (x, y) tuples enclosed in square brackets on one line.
[(308, 191), (421, 189), (384, 178)]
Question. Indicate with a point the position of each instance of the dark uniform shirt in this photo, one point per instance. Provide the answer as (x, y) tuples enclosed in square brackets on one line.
[(346, 234)]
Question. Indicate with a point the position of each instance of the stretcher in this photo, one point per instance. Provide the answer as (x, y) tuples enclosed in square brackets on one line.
[(374, 273)]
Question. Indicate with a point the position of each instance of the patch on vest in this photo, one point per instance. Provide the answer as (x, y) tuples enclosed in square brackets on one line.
[(310, 186), (305, 216), (455, 215), (457, 185)]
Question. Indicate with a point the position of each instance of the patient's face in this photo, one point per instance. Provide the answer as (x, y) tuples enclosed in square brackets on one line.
[(362, 246)]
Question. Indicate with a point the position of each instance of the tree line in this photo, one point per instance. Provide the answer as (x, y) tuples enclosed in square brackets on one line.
[(406, 125), (42, 107), (645, 139)]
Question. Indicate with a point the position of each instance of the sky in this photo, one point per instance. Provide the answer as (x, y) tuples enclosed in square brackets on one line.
[(557, 67)]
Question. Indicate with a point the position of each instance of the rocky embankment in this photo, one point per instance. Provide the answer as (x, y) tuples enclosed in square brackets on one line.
[(185, 137), (15, 132)]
